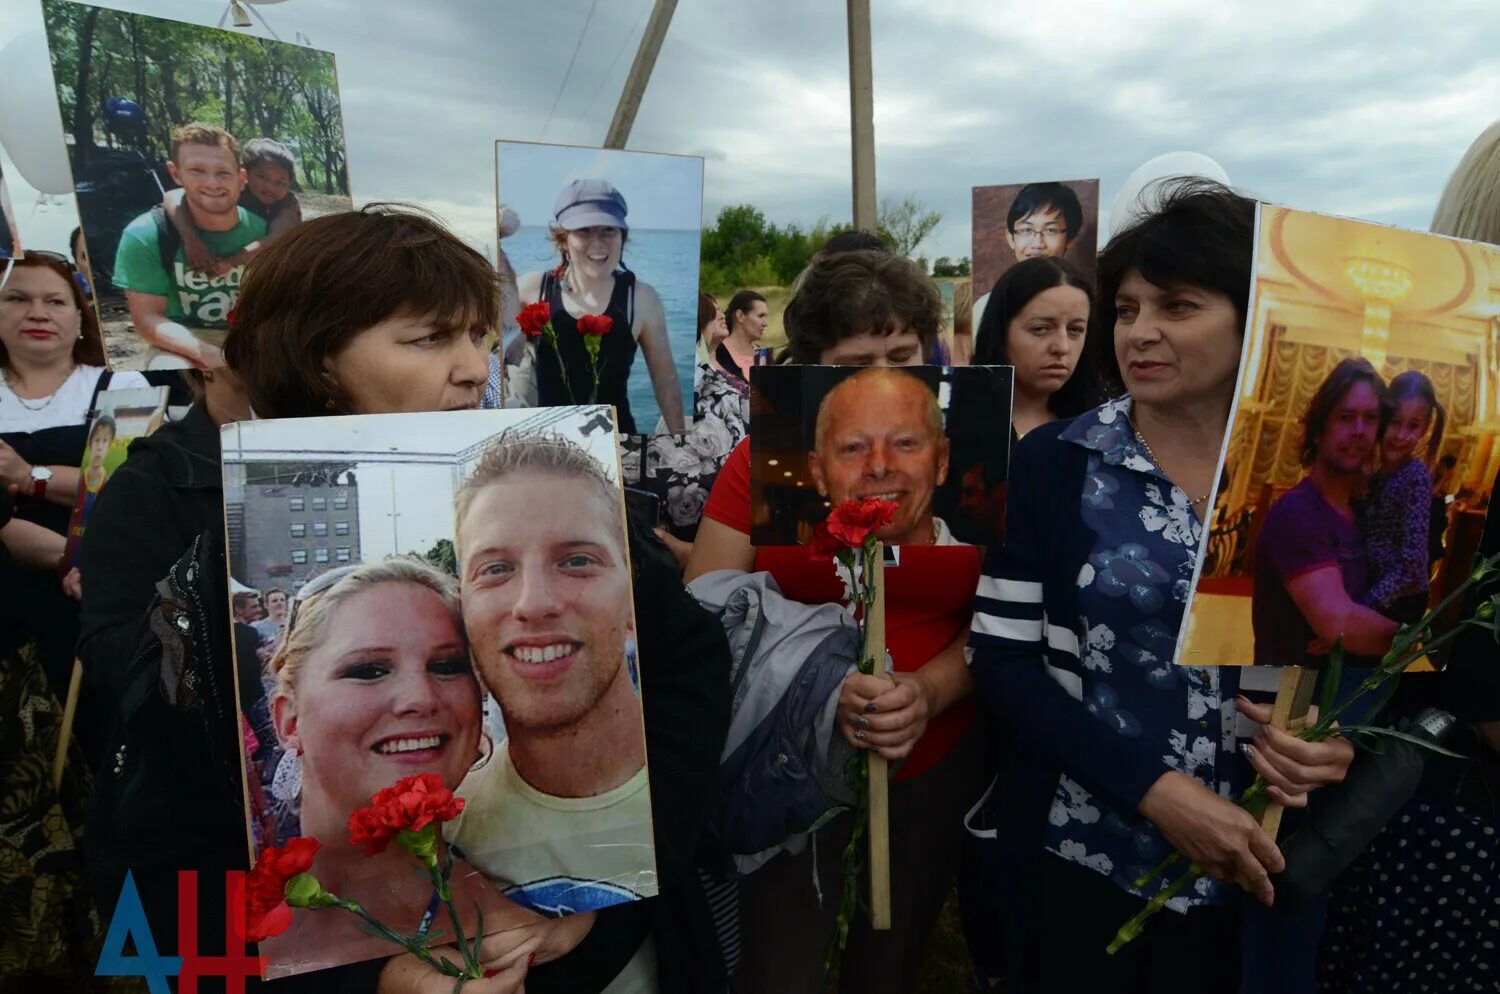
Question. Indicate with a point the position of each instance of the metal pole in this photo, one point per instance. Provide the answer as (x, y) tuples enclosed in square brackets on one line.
[(862, 114), (395, 513), (640, 74)]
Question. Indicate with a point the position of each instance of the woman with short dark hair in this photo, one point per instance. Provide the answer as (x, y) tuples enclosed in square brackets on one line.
[(51, 374), (380, 309), (858, 308), (384, 311), (1116, 755)]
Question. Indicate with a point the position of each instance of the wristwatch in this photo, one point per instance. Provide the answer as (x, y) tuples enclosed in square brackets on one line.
[(40, 476)]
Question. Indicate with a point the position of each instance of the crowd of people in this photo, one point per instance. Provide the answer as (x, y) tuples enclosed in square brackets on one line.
[(1041, 665)]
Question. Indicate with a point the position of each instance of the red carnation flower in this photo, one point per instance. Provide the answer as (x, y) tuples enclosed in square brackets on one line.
[(595, 324), (266, 911), (852, 521), (229, 318), (411, 805), (823, 543), (534, 318)]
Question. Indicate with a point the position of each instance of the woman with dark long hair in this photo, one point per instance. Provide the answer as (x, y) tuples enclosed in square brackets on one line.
[(1037, 320), (746, 317)]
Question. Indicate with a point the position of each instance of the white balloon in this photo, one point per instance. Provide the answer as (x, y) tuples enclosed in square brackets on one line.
[(1141, 191), (30, 123), (510, 221)]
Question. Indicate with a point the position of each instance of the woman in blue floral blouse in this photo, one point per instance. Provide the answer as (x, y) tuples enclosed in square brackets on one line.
[(1117, 755)]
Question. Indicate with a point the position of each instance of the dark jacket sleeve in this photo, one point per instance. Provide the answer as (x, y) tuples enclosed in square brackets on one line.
[(12, 617), (1470, 684), (132, 542), (356, 978), (1010, 638), (684, 665)]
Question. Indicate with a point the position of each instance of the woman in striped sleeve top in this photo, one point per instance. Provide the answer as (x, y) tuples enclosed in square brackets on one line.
[(1116, 755)]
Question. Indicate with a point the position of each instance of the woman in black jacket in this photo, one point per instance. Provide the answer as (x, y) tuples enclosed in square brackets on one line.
[(324, 326)]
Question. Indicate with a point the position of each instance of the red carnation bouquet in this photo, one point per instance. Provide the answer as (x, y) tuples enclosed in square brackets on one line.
[(536, 322), (593, 328), (848, 534), (411, 814)]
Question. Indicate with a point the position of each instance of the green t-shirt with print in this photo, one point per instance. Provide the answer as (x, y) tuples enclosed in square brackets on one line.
[(197, 300)]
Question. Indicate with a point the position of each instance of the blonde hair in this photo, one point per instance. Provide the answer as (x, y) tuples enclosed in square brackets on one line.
[(307, 627), (527, 452), (1470, 204), (963, 308), (198, 133)]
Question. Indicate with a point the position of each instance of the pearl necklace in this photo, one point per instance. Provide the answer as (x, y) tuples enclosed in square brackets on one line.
[(1147, 446)]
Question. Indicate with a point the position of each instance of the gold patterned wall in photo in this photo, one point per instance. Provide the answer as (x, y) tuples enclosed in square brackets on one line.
[(1326, 289)]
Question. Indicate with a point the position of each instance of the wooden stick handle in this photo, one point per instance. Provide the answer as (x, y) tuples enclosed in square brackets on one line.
[(1293, 698), (65, 733), (880, 843), (878, 775)]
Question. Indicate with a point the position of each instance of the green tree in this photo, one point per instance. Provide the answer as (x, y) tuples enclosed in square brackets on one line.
[(443, 556), (742, 249), (906, 223), (183, 72)]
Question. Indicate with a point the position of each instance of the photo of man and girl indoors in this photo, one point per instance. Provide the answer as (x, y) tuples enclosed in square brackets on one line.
[(1363, 449)]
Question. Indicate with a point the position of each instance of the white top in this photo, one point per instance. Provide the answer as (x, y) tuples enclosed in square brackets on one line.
[(68, 406), (979, 306), (941, 535)]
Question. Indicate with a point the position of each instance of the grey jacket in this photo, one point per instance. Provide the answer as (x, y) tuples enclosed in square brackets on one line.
[(782, 771)]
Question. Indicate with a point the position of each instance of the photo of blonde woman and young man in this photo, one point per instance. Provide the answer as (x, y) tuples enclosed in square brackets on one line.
[(391, 667)]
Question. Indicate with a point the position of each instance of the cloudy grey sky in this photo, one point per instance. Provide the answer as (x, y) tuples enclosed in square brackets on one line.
[(1358, 107), (661, 191)]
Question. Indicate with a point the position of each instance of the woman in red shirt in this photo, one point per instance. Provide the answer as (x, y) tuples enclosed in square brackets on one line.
[(865, 308)]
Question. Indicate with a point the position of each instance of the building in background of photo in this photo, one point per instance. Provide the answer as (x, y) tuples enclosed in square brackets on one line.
[(288, 522)]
